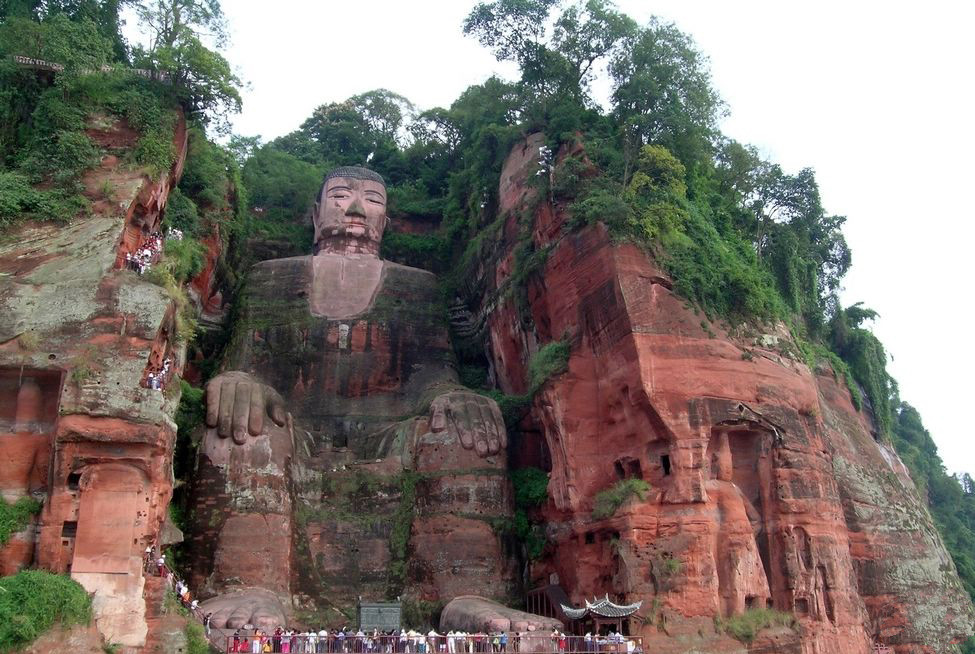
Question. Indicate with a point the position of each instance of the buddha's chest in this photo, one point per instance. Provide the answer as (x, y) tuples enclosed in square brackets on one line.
[(340, 287), (341, 328)]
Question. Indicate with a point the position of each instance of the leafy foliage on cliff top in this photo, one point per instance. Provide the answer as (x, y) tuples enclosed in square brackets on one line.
[(44, 148), (32, 601)]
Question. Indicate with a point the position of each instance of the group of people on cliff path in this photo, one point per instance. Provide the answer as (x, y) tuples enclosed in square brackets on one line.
[(157, 377), (177, 585), (149, 250), (146, 254)]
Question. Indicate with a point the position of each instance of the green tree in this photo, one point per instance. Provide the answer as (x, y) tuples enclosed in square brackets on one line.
[(662, 94), (384, 112), (201, 78), (512, 29), (557, 66), (104, 14), (170, 21), (585, 33), (280, 184), (75, 44)]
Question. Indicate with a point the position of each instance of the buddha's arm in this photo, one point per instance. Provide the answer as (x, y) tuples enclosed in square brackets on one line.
[(237, 404)]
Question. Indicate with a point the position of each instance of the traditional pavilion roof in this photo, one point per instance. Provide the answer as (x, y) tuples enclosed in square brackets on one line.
[(602, 607)]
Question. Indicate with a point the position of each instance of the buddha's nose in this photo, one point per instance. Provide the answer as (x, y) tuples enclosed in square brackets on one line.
[(355, 209)]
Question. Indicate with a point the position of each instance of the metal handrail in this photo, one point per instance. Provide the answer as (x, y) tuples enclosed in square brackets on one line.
[(516, 643)]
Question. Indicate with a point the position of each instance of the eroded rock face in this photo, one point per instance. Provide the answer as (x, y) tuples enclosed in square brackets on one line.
[(78, 428), (767, 487)]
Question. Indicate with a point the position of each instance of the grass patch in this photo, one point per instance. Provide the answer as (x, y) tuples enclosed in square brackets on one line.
[(15, 517), (551, 360), (162, 275), (196, 642), (32, 601), (609, 501), (745, 627), (20, 201)]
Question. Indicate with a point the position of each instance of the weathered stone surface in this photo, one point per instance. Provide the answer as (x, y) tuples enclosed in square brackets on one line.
[(79, 333), (78, 639), (811, 515)]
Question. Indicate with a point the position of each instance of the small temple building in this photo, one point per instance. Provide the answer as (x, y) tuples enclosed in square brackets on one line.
[(601, 613)]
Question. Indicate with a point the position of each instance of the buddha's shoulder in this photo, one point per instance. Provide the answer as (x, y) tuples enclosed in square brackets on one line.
[(391, 269), (288, 265)]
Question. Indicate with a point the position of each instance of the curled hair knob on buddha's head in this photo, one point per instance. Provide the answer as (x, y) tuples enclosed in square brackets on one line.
[(350, 214), (354, 172)]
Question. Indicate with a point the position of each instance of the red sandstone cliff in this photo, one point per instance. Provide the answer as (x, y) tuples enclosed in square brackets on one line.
[(767, 486), (79, 429)]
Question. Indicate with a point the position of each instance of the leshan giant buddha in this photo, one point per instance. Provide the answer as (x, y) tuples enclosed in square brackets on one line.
[(340, 369)]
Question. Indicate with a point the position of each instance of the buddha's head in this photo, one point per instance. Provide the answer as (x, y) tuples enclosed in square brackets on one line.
[(350, 214)]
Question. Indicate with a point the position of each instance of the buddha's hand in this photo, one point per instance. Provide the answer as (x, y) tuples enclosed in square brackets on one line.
[(472, 419), (237, 405)]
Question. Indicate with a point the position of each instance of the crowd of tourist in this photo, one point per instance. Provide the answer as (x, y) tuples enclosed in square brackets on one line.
[(149, 250), (252, 640), (158, 376), (146, 254), (409, 641)]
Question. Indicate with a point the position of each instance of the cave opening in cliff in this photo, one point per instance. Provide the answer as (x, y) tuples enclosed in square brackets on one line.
[(665, 464)]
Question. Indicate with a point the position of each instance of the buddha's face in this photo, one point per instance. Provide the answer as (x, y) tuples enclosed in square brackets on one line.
[(351, 210)]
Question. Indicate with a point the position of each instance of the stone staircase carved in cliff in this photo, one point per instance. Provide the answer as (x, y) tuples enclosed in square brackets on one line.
[(462, 322)]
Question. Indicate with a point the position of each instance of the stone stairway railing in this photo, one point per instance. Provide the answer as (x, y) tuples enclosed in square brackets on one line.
[(54, 67)]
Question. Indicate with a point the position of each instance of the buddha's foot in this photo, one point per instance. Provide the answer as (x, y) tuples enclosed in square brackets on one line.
[(254, 606)]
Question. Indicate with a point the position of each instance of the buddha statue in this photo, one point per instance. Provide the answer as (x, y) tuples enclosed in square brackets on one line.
[(337, 358)]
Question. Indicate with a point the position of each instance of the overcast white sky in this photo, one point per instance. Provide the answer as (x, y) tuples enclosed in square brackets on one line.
[(876, 96)]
